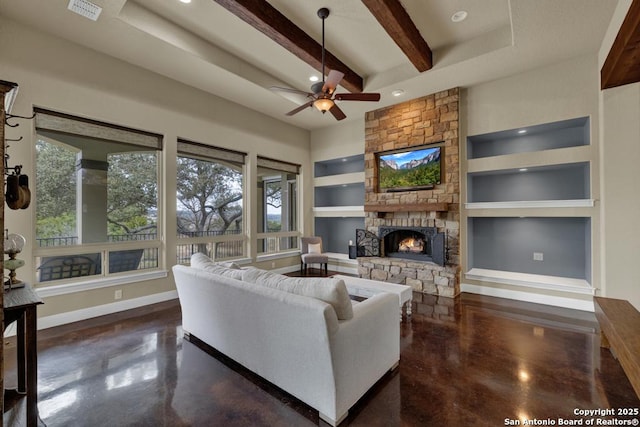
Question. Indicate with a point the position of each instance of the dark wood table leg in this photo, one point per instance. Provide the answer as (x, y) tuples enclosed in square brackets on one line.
[(32, 365), (21, 351)]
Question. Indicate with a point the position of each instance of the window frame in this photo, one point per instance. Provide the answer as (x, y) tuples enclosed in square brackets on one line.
[(294, 199), (214, 154), (51, 121)]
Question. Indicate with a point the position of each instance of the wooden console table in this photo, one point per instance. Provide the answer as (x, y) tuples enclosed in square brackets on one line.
[(619, 325), (20, 306)]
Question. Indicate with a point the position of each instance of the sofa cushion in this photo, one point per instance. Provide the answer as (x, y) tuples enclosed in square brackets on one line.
[(331, 291), (203, 262)]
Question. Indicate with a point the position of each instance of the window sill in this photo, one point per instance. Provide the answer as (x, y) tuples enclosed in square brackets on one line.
[(45, 291), (288, 254)]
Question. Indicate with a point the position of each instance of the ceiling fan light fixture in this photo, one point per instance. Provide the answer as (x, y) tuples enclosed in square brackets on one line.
[(323, 104)]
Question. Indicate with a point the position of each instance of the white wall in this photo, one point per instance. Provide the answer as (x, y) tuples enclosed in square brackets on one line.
[(58, 75), (621, 194), (620, 148), (342, 140)]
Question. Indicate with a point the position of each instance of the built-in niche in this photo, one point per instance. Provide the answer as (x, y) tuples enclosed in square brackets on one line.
[(337, 232), (557, 182), (338, 201), (558, 247), (548, 136)]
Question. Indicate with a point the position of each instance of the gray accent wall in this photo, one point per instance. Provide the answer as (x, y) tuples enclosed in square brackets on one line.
[(339, 166), (508, 244), (567, 133), (564, 182), (340, 195), (336, 232)]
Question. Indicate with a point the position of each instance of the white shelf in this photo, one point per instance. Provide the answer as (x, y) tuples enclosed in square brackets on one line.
[(334, 180), (533, 204), (539, 281), (558, 157), (338, 211)]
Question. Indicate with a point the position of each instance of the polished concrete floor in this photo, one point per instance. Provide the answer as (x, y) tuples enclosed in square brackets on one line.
[(472, 361)]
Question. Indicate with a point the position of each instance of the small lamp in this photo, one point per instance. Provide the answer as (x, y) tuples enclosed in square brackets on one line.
[(13, 245)]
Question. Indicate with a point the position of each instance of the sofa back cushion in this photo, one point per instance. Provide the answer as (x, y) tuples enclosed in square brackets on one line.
[(227, 269), (331, 291)]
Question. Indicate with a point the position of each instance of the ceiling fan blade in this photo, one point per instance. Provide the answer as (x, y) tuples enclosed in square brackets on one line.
[(358, 97), (290, 90), (332, 81), (300, 108), (337, 112)]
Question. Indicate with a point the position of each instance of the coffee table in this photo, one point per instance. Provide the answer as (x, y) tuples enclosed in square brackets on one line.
[(367, 288)]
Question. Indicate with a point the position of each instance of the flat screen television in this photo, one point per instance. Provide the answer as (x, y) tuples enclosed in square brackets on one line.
[(409, 169)]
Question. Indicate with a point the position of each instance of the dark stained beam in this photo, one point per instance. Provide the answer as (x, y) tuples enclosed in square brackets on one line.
[(268, 20), (622, 65), (398, 24)]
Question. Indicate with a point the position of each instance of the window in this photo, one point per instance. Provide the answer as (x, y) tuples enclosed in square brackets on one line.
[(278, 205), (209, 202), (97, 198)]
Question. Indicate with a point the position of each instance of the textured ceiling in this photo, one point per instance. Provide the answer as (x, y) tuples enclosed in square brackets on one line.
[(203, 45)]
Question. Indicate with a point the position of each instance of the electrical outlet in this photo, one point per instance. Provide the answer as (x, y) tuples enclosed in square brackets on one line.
[(538, 256), (273, 264), (117, 294)]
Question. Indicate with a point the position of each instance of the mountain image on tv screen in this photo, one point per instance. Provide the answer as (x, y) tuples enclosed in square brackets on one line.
[(409, 169)]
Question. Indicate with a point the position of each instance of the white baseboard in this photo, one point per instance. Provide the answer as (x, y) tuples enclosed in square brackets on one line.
[(101, 310), (529, 297)]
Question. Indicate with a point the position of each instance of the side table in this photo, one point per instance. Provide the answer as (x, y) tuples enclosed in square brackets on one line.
[(20, 306)]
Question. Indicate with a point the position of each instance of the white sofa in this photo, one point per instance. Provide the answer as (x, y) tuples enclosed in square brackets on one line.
[(294, 341)]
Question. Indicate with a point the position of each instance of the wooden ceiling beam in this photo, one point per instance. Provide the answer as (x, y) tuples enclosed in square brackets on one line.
[(622, 65), (396, 21), (268, 20)]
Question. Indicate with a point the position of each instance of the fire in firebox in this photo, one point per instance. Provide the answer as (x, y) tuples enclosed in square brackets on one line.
[(411, 244)]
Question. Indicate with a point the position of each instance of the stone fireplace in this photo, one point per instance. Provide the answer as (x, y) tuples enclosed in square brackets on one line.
[(412, 237)]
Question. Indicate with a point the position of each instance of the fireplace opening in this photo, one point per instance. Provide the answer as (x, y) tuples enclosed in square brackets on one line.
[(420, 244), (412, 245)]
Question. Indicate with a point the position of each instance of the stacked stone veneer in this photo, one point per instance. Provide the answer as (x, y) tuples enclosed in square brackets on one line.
[(430, 119)]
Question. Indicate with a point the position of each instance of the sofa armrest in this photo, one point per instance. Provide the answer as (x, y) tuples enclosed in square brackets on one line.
[(365, 347)]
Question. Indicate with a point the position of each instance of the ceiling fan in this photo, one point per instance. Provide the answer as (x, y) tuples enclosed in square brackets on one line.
[(322, 94)]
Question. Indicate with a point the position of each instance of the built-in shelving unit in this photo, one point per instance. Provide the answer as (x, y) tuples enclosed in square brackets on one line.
[(338, 201), (529, 207)]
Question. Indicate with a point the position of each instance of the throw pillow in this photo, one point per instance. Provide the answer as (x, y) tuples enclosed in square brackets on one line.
[(314, 248), (331, 291), (203, 262)]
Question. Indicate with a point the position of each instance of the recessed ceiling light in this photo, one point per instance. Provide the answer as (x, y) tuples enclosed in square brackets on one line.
[(459, 16), (523, 169), (397, 92), (185, 1), (314, 78), (521, 131)]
